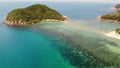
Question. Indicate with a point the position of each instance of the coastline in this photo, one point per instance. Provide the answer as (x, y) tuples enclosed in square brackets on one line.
[(11, 23), (113, 34), (113, 8), (21, 23), (103, 19)]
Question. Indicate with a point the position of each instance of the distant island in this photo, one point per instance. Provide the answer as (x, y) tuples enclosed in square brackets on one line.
[(115, 16), (32, 15), (117, 6)]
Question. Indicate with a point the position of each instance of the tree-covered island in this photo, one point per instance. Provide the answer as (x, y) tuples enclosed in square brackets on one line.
[(117, 6), (115, 16), (32, 14)]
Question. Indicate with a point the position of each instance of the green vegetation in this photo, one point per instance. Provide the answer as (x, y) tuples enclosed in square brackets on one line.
[(117, 6), (33, 14), (112, 16), (118, 30), (115, 16)]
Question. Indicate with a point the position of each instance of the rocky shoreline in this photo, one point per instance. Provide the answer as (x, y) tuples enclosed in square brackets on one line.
[(100, 18), (22, 23), (14, 23)]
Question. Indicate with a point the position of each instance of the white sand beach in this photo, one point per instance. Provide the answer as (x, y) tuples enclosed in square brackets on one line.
[(99, 17), (113, 34)]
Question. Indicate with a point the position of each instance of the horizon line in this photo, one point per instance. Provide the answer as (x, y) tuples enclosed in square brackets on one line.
[(59, 1)]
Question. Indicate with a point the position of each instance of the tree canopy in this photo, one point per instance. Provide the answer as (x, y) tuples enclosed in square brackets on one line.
[(34, 14), (112, 16), (117, 6)]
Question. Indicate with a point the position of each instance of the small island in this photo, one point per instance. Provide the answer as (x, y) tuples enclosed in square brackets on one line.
[(117, 6), (32, 15), (115, 16)]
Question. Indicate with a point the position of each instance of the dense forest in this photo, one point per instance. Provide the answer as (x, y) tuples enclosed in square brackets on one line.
[(112, 16), (33, 14)]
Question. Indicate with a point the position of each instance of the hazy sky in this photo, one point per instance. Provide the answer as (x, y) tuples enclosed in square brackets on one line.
[(118, 1)]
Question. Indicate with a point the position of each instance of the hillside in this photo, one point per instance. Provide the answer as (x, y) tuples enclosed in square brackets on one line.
[(32, 14), (112, 16)]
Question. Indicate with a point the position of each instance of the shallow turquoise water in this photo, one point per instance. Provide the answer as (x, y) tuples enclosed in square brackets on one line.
[(83, 48), (27, 49), (34, 47)]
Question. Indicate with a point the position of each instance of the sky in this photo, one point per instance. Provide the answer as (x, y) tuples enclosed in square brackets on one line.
[(117, 1)]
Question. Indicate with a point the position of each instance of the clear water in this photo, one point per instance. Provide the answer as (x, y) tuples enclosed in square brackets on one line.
[(44, 46)]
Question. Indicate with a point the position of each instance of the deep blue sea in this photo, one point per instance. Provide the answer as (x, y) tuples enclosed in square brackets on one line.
[(45, 46)]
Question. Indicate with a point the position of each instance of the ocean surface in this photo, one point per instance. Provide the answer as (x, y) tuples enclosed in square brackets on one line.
[(55, 44)]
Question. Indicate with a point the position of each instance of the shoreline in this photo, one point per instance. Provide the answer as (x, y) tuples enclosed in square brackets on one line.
[(103, 19), (24, 23), (113, 34), (11, 23), (113, 8), (20, 23)]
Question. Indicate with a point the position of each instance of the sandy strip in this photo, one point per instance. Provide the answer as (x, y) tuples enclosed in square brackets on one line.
[(113, 34)]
